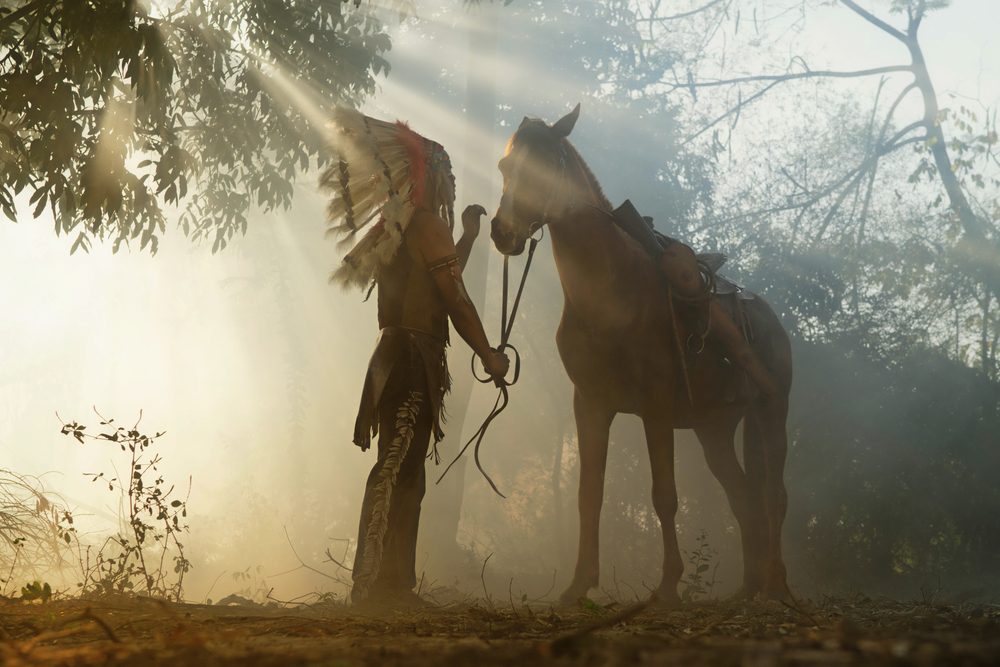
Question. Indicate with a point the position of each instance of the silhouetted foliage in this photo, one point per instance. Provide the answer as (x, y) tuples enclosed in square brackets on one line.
[(35, 530), (111, 109), (146, 554), (897, 490)]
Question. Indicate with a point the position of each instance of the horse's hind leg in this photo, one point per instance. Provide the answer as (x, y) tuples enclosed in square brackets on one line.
[(593, 422), (660, 442), (771, 414), (720, 453)]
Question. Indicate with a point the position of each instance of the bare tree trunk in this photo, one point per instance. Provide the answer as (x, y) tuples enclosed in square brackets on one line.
[(971, 222), (984, 342), (981, 249), (979, 243)]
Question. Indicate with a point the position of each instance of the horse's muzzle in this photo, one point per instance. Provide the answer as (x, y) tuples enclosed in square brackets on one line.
[(505, 242)]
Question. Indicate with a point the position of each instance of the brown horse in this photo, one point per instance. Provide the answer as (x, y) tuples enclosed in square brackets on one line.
[(616, 344)]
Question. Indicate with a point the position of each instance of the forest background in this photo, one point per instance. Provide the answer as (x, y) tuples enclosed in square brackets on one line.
[(784, 134)]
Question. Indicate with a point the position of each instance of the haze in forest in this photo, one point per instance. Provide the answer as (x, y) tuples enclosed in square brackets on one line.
[(252, 363)]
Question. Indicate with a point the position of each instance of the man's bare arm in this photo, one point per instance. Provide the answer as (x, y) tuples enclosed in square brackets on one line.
[(441, 256), (461, 310)]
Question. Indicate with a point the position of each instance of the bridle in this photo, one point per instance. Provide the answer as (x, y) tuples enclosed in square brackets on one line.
[(537, 233)]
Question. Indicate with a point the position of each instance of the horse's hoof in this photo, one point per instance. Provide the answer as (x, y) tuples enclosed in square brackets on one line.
[(778, 592), (571, 596), (665, 599), (745, 594)]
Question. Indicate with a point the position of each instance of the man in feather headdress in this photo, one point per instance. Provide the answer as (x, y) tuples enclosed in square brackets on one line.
[(398, 188)]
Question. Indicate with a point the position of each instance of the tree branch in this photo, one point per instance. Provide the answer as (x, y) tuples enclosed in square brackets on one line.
[(870, 166), (874, 20), (848, 177), (854, 182), (682, 15), (892, 148), (810, 74), (915, 19), (906, 130), (735, 109), (892, 109), (974, 226)]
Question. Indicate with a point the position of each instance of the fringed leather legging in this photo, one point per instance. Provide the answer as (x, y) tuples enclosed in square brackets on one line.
[(390, 513)]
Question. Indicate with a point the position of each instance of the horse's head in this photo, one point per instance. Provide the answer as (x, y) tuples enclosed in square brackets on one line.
[(534, 172)]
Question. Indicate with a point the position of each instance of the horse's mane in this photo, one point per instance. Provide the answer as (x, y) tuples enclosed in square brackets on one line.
[(588, 174), (535, 126)]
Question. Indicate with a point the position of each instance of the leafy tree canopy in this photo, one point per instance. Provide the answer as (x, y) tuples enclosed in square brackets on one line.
[(112, 109), (918, 5)]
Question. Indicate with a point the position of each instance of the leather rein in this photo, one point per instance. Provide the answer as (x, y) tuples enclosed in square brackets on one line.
[(507, 318)]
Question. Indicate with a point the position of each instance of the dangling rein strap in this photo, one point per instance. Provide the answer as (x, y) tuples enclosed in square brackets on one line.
[(503, 395), (506, 326)]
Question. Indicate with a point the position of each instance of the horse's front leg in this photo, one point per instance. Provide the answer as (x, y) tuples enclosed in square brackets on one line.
[(593, 422), (660, 443)]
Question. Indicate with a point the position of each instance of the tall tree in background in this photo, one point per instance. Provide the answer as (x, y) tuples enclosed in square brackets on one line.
[(949, 154), (112, 109), (870, 218)]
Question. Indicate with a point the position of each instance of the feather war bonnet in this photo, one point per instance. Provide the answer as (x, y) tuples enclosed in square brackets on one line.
[(381, 174)]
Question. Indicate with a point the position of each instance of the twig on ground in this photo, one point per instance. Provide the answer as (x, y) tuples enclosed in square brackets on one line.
[(338, 563), (614, 580), (429, 593), (634, 592), (90, 615), (87, 615), (303, 565), (570, 641), (713, 625), (798, 609), (510, 596), (164, 607), (296, 600), (544, 595), (482, 578), (212, 587), (10, 575)]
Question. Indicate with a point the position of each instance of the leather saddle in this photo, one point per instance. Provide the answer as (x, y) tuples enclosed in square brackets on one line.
[(640, 227), (730, 295)]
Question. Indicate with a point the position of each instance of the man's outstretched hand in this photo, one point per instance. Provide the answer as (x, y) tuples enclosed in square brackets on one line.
[(470, 220)]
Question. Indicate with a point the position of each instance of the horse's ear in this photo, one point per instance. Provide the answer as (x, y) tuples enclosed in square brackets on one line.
[(565, 124), (524, 121)]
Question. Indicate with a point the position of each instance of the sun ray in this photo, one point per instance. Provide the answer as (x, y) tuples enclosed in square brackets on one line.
[(449, 127)]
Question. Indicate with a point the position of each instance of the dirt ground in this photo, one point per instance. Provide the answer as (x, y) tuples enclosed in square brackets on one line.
[(837, 631)]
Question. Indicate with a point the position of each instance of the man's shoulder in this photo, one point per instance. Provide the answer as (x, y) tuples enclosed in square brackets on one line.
[(427, 222), (430, 236)]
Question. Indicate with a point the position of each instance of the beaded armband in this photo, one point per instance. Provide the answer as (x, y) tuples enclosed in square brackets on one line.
[(443, 263)]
